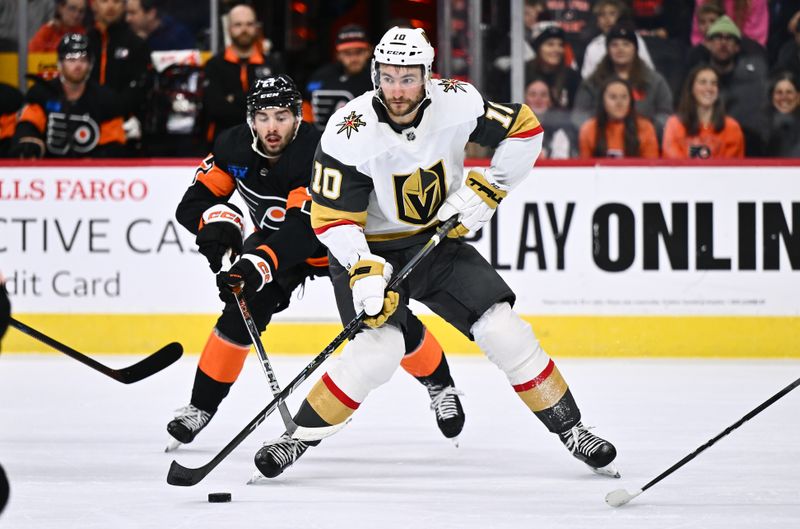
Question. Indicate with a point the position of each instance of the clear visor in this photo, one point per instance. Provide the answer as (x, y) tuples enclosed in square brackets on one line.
[(389, 76)]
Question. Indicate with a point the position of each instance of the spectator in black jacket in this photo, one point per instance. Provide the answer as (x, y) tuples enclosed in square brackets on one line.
[(333, 85), (71, 115), (159, 30), (742, 82), (230, 74), (784, 113), (121, 60)]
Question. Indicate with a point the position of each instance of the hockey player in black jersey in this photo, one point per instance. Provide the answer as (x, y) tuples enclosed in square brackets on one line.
[(269, 162), (334, 84), (388, 172)]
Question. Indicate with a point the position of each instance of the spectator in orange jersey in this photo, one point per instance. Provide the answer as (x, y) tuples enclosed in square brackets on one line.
[(71, 115), (68, 18), (701, 129), (617, 131), (10, 102)]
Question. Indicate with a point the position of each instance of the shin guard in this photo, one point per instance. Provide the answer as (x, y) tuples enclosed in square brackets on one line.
[(220, 364)]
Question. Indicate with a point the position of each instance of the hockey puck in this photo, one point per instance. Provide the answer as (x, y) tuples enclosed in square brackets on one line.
[(219, 497)]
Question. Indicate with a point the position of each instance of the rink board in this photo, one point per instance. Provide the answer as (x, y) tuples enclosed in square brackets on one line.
[(606, 260)]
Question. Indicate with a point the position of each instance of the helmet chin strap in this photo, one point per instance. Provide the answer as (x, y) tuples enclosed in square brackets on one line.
[(257, 143)]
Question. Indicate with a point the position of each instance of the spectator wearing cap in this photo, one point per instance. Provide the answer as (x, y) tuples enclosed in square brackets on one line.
[(607, 13), (700, 128), (332, 86), (574, 17), (651, 95), (160, 31), (71, 115), (230, 74), (705, 16), (751, 16), (67, 18), (550, 64), (742, 82)]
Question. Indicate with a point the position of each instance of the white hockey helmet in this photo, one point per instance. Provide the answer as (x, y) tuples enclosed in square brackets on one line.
[(404, 47)]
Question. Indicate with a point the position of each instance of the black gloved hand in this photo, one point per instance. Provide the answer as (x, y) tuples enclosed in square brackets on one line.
[(25, 150), (221, 229), (254, 270)]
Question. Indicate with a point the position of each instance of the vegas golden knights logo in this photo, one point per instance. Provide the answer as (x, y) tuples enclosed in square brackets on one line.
[(419, 194)]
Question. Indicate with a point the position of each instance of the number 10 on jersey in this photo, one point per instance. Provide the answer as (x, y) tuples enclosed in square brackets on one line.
[(327, 181)]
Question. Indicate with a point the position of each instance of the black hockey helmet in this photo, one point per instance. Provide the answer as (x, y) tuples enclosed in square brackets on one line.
[(73, 45), (274, 91)]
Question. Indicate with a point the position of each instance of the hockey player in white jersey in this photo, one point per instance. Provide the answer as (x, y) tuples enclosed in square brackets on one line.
[(388, 170)]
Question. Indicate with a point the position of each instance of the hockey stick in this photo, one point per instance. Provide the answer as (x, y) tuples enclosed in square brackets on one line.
[(297, 432), (185, 477), (151, 365), (620, 497)]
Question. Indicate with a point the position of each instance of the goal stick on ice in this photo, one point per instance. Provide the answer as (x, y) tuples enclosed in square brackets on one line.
[(151, 365), (620, 497), (185, 477)]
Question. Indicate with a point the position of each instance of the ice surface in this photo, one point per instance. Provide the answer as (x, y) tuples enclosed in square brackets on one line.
[(83, 451)]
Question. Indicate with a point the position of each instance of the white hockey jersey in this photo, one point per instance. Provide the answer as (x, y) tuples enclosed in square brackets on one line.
[(392, 180)]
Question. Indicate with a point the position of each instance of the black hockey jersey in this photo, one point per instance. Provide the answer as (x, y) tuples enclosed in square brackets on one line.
[(330, 88), (277, 197), (89, 126)]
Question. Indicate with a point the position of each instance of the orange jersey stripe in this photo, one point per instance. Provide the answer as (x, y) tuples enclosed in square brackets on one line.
[(217, 181), (297, 197), (269, 251), (34, 114)]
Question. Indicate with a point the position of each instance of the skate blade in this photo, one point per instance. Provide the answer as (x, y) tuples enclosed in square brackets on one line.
[(257, 477), (172, 445), (454, 440), (610, 470)]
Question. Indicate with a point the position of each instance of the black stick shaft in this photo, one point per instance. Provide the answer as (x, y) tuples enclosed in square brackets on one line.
[(272, 380), (725, 432)]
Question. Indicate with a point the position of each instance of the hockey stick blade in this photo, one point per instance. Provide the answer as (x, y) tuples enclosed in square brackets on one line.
[(185, 477), (619, 497), (144, 368)]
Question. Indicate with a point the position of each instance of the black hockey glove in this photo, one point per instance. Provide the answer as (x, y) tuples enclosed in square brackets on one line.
[(254, 270), (221, 228), (25, 150)]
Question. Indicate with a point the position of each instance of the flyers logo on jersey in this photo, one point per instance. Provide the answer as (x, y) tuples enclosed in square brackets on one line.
[(71, 132), (419, 194)]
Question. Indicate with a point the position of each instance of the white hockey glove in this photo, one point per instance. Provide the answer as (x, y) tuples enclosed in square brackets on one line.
[(368, 280), (474, 203), (133, 129)]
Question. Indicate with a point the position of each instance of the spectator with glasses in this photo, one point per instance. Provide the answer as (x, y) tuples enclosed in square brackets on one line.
[(67, 18)]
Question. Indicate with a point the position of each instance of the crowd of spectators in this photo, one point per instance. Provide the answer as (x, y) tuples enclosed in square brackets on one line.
[(607, 78)]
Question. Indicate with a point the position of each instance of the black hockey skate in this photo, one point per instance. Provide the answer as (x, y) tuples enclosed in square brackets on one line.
[(276, 456), (187, 423), (596, 452), (449, 413)]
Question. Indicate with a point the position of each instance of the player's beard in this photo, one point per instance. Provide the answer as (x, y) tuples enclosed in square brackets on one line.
[(408, 106), (244, 40), (277, 148)]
